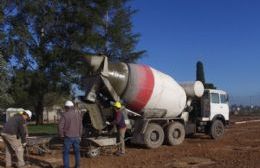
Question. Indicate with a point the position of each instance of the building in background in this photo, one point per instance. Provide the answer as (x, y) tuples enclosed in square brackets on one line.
[(52, 115)]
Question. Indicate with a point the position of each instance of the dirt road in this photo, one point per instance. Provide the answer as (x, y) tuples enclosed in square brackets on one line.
[(239, 148)]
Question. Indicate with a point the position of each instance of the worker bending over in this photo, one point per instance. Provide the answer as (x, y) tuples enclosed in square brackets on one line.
[(14, 135)]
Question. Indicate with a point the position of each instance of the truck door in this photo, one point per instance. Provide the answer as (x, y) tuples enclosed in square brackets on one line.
[(224, 107), (215, 105)]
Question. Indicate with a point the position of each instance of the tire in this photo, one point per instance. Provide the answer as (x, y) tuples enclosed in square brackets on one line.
[(153, 136), (175, 133), (217, 129)]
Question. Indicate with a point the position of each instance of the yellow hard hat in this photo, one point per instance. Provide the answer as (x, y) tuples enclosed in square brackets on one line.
[(117, 104)]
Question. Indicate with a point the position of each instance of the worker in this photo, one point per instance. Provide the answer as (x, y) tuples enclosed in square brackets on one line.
[(70, 129), (119, 121), (14, 136)]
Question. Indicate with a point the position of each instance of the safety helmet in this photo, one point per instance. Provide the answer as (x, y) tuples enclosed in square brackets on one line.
[(117, 104), (29, 113), (69, 103)]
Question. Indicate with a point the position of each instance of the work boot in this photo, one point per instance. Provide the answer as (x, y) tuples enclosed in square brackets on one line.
[(119, 153)]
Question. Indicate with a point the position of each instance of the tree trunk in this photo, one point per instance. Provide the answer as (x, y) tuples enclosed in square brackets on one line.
[(39, 113)]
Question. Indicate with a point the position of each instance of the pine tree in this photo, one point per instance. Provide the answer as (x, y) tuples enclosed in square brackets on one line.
[(46, 40), (5, 97), (116, 31)]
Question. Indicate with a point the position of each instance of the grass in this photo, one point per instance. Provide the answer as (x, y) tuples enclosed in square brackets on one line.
[(45, 129)]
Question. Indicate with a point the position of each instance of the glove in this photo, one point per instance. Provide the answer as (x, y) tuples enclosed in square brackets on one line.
[(24, 144)]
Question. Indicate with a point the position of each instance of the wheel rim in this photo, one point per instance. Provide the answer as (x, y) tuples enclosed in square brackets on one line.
[(176, 133), (154, 136), (218, 129)]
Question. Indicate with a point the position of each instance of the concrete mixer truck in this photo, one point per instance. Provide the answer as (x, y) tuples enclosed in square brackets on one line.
[(157, 108)]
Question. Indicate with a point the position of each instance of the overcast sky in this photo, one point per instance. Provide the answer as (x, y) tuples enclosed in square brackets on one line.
[(223, 34)]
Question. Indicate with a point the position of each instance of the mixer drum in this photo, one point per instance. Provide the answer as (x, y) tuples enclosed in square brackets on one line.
[(148, 88)]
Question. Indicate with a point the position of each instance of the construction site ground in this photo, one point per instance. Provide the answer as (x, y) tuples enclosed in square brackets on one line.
[(239, 148)]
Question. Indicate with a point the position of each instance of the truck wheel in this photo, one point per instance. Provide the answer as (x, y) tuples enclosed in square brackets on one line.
[(217, 129), (153, 136), (175, 133)]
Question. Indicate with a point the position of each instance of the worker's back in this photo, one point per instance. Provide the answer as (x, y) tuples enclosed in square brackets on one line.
[(13, 125), (71, 124)]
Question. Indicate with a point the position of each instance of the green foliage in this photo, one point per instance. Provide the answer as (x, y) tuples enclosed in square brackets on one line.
[(45, 41), (5, 97), (118, 39), (54, 98)]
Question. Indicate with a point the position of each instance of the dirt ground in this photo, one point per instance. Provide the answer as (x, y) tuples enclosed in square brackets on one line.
[(239, 148)]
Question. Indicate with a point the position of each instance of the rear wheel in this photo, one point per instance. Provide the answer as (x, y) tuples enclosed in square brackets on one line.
[(217, 129), (175, 133), (153, 136)]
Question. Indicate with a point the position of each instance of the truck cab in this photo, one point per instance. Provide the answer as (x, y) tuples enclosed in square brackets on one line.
[(214, 103), (214, 113)]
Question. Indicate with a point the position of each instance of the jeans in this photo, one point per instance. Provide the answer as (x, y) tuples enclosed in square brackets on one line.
[(68, 141)]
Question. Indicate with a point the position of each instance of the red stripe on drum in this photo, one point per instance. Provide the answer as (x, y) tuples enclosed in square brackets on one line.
[(145, 87)]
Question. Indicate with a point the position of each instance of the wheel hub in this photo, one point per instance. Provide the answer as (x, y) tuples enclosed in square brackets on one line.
[(154, 136), (176, 133)]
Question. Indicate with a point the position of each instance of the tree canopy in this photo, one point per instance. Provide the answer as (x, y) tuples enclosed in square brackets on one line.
[(5, 98), (44, 42)]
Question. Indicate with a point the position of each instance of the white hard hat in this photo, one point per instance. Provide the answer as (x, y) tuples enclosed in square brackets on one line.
[(29, 113), (69, 103)]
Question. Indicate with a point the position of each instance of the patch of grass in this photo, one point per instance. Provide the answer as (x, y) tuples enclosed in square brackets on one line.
[(45, 129)]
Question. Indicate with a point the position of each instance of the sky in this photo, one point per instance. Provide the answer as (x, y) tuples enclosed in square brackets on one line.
[(223, 34)]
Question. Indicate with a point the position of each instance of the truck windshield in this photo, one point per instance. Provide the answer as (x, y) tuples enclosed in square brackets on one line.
[(224, 98)]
